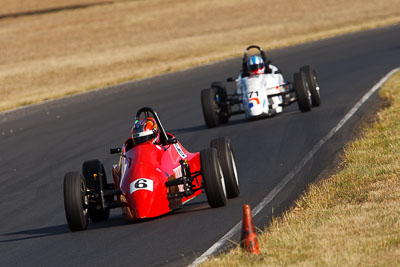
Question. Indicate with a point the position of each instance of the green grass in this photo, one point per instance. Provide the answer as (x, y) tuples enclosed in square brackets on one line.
[(348, 219)]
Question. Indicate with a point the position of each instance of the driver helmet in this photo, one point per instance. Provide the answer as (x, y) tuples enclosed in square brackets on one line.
[(144, 131), (255, 65)]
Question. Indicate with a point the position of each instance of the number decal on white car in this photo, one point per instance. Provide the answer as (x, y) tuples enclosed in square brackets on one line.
[(252, 93), (141, 184)]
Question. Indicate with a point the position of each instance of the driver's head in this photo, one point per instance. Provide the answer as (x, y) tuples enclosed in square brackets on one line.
[(143, 131), (255, 65)]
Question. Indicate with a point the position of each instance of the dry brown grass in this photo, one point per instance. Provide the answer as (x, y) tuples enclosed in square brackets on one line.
[(52, 55), (350, 219), (24, 6)]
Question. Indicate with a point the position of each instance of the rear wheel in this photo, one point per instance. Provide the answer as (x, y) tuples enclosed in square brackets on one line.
[(210, 107), (227, 160), (213, 178), (75, 201), (302, 91), (311, 77), (93, 171)]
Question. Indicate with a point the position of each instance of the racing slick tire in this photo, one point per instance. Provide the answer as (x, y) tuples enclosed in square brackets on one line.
[(313, 84), (224, 112), (210, 107), (92, 169), (75, 201), (302, 91), (213, 178), (228, 164)]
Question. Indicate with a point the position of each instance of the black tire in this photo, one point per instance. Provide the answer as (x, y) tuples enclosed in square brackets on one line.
[(213, 178), (224, 108), (302, 92), (210, 107), (220, 88), (227, 160), (75, 201), (91, 170), (311, 77)]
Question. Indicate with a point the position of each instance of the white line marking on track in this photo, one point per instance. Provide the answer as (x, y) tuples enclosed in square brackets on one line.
[(271, 195)]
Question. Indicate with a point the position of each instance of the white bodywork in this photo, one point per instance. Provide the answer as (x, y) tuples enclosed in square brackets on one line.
[(255, 91)]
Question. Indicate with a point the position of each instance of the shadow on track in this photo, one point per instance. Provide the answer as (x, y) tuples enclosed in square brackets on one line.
[(203, 127), (192, 207), (59, 230), (36, 233), (114, 221), (190, 129)]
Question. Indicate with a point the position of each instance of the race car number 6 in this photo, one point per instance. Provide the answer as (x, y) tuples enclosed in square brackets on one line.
[(141, 184)]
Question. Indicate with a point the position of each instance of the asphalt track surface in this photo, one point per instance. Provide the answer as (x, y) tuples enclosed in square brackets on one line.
[(40, 143)]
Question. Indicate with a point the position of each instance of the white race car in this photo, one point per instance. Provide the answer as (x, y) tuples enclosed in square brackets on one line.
[(260, 95)]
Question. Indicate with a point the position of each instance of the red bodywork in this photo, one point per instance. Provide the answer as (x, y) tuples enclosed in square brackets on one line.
[(142, 173)]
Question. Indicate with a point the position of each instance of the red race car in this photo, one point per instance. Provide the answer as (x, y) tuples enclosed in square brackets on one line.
[(155, 175)]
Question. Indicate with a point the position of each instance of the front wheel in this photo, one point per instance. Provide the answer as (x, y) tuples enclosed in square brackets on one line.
[(302, 91), (93, 171), (210, 107), (213, 178), (228, 164), (75, 201), (222, 96), (311, 77)]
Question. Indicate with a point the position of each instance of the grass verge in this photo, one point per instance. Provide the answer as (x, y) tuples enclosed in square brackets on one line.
[(349, 219)]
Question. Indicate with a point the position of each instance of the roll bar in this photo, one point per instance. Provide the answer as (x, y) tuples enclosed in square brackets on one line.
[(163, 135), (262, 53), (244, 63)]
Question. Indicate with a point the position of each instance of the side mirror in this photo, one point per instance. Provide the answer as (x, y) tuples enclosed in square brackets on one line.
[(230, 79), (171, 141), (115, 150)]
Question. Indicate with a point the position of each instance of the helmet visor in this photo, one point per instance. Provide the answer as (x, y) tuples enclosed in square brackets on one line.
[(255, 67), (142, 137)]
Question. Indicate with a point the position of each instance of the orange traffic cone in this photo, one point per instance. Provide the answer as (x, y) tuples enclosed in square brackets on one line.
[(248, 241)]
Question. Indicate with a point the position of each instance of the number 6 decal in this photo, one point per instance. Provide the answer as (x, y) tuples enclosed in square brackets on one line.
[(141, 184)]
